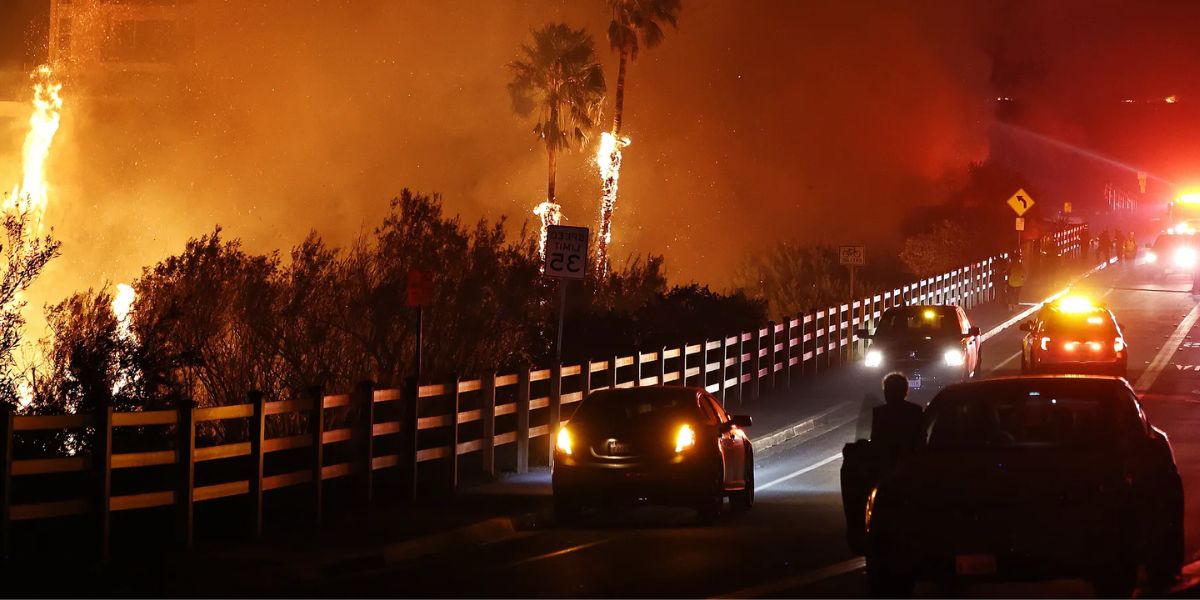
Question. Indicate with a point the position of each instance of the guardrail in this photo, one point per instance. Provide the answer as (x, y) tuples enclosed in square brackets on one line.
[(358, 435)]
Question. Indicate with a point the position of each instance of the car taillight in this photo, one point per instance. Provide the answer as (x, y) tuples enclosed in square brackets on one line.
[(685, 438), (1071, 346), (1045, 343), (1095, 346), (563, 440), (1118, 345)]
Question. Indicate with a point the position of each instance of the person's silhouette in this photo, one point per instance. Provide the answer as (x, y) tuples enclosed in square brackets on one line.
[(895, 426)]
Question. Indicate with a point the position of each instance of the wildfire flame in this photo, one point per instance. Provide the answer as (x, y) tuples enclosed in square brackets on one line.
[(608, 159), (32, 194), (550, 214), (122, 304)]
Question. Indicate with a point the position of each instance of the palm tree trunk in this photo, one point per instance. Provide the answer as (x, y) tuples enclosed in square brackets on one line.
[(551, 146), (553, 160), (619, 102)]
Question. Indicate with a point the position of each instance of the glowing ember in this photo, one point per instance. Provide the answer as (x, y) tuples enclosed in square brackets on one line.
[(608, 159), (32, 194), (550, 214)]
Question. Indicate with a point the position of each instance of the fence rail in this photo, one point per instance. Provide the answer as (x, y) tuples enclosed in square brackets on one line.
[(398, 430)]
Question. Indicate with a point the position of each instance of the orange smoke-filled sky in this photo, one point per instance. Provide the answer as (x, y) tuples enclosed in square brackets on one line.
[(753, 122)]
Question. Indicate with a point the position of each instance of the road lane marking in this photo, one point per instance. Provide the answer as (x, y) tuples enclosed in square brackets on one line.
[(1150, 375), (795, 474), (1014, 356), (799, 581), (558, 553)]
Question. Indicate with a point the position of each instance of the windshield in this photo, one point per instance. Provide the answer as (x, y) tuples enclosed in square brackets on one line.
[(919, 320), (614, 408), (1017, 417)]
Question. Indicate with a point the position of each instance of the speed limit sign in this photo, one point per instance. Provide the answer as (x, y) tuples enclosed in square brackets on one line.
[(566, 251)]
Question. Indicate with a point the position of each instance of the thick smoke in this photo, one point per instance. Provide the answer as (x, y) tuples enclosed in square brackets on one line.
[(753, 122)]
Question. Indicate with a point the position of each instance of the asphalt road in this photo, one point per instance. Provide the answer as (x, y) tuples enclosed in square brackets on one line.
[(791, 544)]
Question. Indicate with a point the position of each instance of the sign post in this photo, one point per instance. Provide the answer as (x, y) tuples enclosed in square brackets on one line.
[(419, 295), (853, 257), (566, 259), (1020, 202)]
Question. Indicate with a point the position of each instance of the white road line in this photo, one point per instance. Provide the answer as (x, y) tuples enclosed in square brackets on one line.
[(1150, 375), (798, 581), (557, 553), (1014, 356), (812, 467)]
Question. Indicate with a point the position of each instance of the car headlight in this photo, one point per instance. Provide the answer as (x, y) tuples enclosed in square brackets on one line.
[(1151, 257), (685, 438), (1185, 258), (874, 358), (562, 441), (954, 358)]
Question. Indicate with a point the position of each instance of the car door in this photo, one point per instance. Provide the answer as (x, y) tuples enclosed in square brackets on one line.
[(732, 444)]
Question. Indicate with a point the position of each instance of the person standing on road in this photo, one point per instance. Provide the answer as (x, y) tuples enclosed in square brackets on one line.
[(895, 426), (1016, 280), (1000, 279), (1104, 250), (1131, 248)]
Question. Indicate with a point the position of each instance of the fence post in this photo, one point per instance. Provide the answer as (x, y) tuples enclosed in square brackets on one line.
[(738, 372), (723, 372), (662, 366), (455, 405), (317, 429), (523, 421), (612, 373), (787, 352), (771, 354), (585, 379), (258, 435), (487, 412), (102, 464), (185, 492), (756, 365), (555, 411), (364, 397), (409, 414), (6, 461)]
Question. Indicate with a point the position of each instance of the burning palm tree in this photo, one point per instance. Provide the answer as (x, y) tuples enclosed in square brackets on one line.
[(635, 23), (558, 81)]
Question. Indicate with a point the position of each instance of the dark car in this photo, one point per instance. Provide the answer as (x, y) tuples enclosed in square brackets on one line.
[(1172, 253), (1073, 335), (1030, 478), (924, 342), (667, 445)]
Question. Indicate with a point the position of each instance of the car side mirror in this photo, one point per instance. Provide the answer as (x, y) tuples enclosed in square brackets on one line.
[(973, 331), (863, 333), (1026, 326), (742, 421)]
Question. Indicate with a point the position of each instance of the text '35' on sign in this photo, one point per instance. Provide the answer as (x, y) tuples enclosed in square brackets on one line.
[(566, 251)]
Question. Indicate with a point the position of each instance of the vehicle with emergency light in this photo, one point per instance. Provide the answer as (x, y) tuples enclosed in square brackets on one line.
[(1030, 478), (1183, 215), (1074, 335), (655, 444), (929, 344)]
